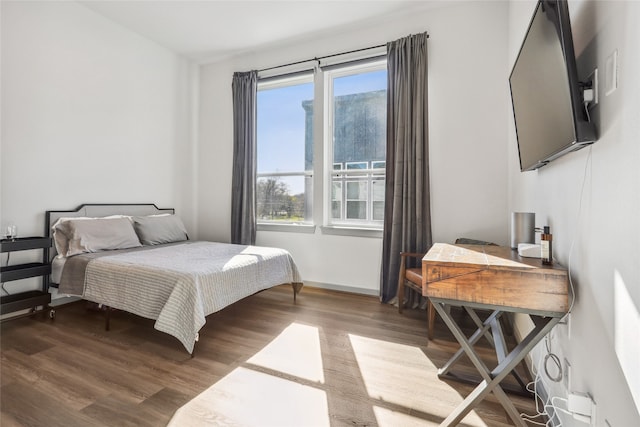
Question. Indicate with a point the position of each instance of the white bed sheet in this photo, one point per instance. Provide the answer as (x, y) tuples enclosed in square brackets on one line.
[(180, 284), (57, 265)]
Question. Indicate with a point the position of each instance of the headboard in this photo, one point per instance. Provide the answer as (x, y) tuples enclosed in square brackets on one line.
[(97, 211)]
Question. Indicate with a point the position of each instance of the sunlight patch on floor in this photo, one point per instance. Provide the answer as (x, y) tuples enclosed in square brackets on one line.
[(388, 418), (246, 397), (406, 369), (296, 351)]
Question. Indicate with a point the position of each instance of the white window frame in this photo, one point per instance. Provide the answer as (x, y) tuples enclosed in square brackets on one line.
[(275, 83), (346, 174), (323, 166)]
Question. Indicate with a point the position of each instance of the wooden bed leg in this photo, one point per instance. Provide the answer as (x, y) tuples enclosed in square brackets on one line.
[(296, 289), (193, 352)]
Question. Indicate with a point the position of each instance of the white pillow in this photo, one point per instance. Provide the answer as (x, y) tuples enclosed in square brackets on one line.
[(60, 239), (74, 236)]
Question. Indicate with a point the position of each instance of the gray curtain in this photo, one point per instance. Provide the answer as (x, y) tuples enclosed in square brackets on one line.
[(243, 197), (407, 212)]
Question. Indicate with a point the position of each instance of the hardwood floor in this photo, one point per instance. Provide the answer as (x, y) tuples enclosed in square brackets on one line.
[(331, 359)]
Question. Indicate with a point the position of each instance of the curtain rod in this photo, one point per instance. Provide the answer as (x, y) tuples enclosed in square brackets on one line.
[(322, 57)]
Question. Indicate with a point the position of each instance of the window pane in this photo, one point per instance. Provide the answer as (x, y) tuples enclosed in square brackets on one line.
[(285, 129), (378, 211), (379, 165), (360, 117), (336, 200), (357, 210), (377, 204), (359, 106), (356, 190), (357, 165), (336, 191), (360, 83), (336, 209), (357, 200), (356, 126), (284, 152), (377, 191), (283, 198)]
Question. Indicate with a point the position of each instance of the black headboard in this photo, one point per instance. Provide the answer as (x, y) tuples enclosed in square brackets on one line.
[(97, 211)]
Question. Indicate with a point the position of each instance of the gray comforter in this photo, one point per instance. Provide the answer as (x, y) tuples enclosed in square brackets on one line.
[(177, 285)]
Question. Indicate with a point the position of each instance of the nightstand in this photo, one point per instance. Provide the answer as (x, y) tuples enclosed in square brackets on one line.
[(29, 299)]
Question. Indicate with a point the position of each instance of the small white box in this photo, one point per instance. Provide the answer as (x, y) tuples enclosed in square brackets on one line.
[(580, 403), (529, 250)]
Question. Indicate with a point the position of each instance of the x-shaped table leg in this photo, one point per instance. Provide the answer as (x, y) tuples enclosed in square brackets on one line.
[(495, 339), (490, 379)]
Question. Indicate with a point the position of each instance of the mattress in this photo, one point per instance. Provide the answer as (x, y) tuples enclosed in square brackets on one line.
[(177, 285)]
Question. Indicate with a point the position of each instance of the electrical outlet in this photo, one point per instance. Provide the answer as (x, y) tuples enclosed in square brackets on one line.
[(579, 403), (582, 407)]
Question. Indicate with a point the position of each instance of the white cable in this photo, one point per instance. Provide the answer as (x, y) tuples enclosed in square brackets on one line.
[(556, 409), (536, 422), (550, 355), (538, 399), (553, 399), (550, 403), (2, 284), (586, 110), (575, 234)]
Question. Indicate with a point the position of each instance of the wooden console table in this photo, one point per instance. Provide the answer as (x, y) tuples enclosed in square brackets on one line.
[(494, 278)]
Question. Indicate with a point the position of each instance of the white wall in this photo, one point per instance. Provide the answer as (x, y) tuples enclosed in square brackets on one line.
[(91, 113), (468, 120), (603, 343)]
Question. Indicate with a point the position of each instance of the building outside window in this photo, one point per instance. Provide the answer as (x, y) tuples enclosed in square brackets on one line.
[(354, 106)]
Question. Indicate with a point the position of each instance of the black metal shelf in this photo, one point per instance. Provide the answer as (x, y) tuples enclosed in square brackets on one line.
[(24, 271), (28, 299), (24, 300), (24, 243)]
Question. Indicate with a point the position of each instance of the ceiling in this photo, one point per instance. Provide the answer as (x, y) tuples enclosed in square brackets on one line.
[(210, 30)]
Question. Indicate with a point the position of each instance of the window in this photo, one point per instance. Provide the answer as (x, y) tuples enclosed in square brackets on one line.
[(349, 180), (356, 122), (284, 153)]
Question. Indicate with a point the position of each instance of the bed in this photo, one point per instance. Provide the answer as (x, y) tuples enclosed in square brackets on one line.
[(138, 258)]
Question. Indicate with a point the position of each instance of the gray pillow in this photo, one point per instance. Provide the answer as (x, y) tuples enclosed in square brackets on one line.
[(157, 229), (99, 234)]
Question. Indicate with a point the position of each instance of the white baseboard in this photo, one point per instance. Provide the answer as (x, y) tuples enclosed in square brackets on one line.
[(342, 288)]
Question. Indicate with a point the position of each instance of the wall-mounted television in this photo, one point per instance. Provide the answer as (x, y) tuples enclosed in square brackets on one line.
[(550, 115)]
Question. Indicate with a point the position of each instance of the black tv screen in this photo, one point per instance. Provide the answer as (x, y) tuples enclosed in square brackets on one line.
[(548, 107)]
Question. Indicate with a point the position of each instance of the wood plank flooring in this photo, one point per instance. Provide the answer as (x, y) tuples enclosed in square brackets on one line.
[(333, 359)]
